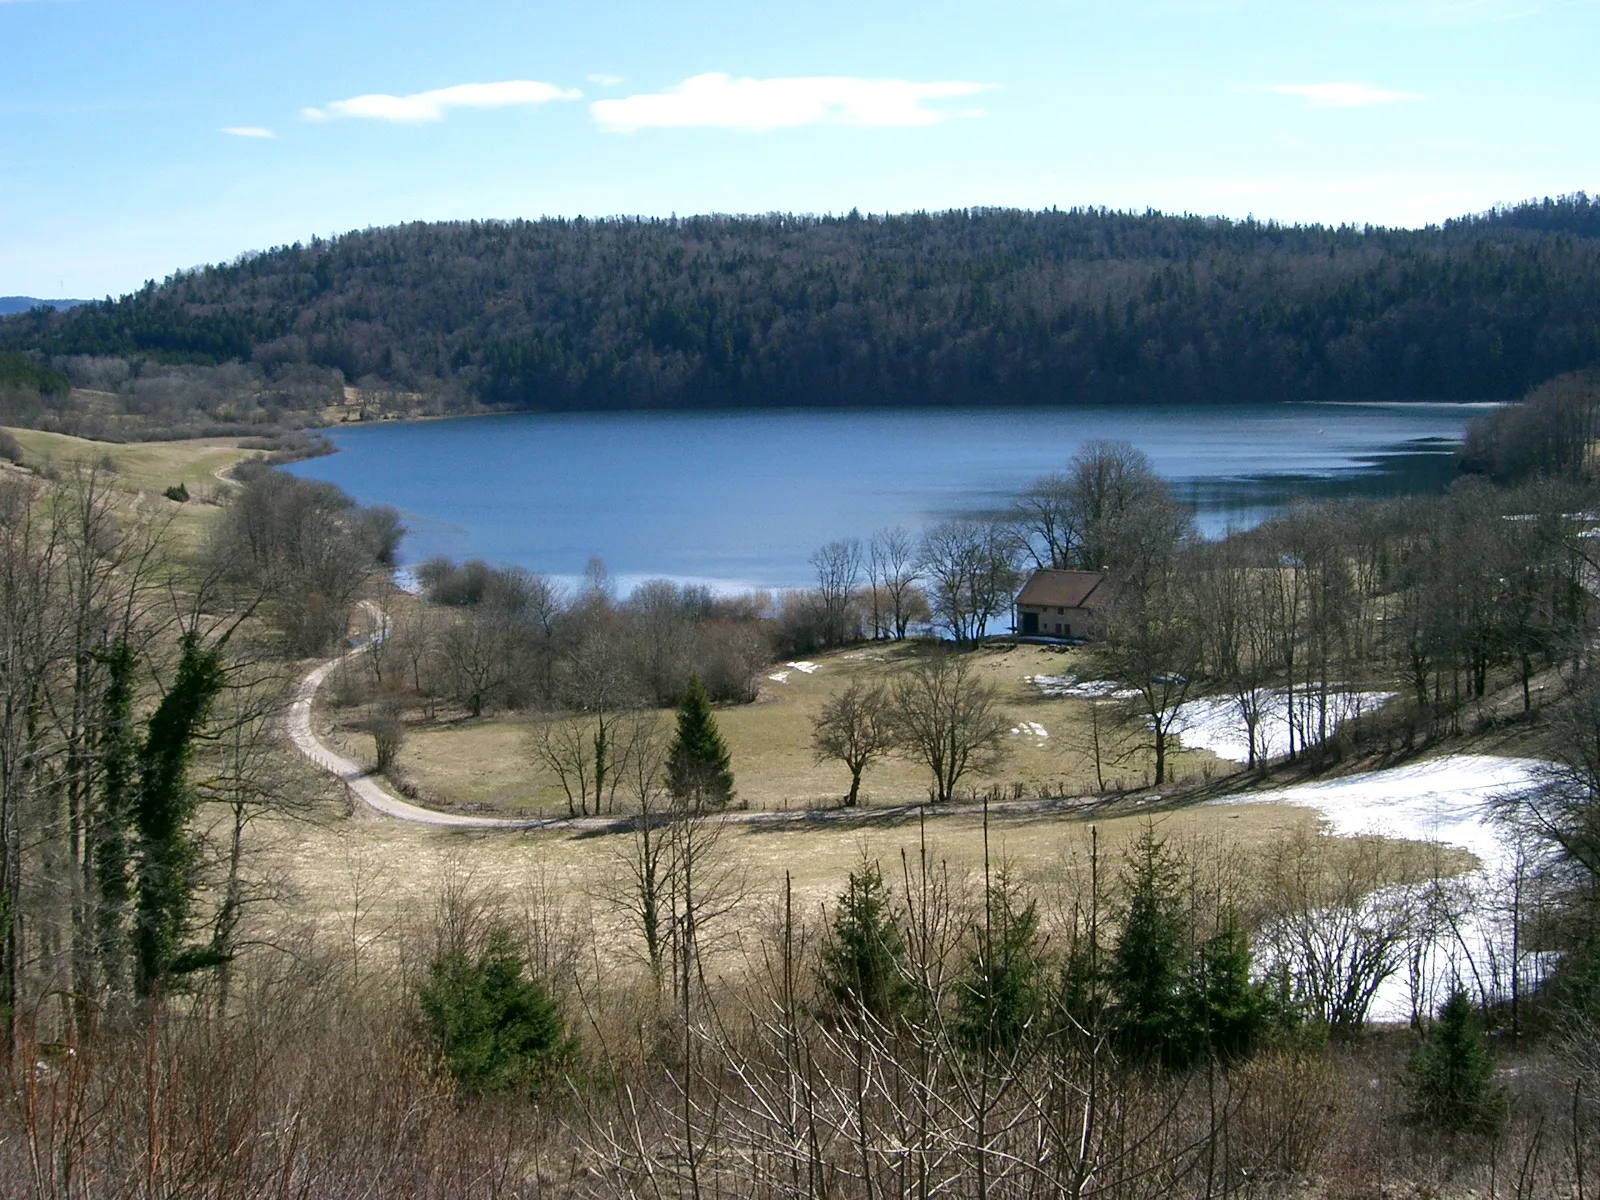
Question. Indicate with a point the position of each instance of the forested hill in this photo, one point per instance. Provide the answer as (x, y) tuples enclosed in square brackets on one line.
[(979, 306)]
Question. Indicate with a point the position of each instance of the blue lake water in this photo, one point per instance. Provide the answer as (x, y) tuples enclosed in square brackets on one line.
[(741, 499)]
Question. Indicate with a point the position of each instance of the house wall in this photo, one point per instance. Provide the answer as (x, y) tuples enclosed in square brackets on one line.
[(1080, 620)]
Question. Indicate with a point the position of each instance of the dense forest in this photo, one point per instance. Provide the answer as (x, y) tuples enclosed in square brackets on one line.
[(963, 307)]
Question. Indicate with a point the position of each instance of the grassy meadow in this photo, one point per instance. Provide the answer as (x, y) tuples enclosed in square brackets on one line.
[(487, 764)]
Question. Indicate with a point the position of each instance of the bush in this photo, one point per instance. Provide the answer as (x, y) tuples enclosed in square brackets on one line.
[(1450, 1078), (498, 1030), (178, 492), (10, 448)]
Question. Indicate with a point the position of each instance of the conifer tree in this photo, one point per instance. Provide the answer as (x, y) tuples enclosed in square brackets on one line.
[(498, 1030), (1149, 963), (1227, 1011), (1001, 994), (862, 969), (1450, 1078), (699, 768)]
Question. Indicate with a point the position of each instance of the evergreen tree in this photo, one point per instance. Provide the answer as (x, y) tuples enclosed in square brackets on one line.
[(863, 965), (498, 1030), (699, 768), (1081, 1005), (1227, 1013), (1148, 965), (1450, 1078), (1001, 995)]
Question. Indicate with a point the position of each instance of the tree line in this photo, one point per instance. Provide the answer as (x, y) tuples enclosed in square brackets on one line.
[(966, 307)]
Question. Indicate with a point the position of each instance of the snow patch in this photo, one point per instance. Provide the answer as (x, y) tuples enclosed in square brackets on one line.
[(779, 677), (805, 668), (1031, 729), (1213, 723), (1446, 800), (1056, 686)]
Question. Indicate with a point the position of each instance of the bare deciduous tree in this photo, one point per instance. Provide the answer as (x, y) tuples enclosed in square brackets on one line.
[(855, 727), (1148, 642), (892, 567), (838, 567), (947, 717), (971, 568)]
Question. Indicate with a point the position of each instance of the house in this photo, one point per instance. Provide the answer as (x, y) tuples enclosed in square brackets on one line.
[(1063, 604)]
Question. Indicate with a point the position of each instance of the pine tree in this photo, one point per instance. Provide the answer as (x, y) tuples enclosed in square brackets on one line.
[(862, 969), (1001, 994), (1148, 965), (1227, 1013), (1450, 1078), (499, 1031), (699, 768)]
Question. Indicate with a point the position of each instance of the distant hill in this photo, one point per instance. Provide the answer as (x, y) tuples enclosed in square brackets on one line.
[(21, 304), (963, 307)]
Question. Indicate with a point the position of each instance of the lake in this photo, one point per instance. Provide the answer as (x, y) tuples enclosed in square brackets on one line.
[(741, 499)]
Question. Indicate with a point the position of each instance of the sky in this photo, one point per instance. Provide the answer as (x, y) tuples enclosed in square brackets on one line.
[(140, 137)]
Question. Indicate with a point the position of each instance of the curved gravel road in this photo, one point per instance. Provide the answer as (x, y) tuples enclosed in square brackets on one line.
[(361, 784)]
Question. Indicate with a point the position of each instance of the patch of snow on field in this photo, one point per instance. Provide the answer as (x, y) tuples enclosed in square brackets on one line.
[(1213, 723), (1447, 800), (1056, 686), (1444, 800), (779, 677), (805, 668), (1032, 729)]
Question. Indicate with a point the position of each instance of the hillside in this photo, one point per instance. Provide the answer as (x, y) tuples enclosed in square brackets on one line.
[(964, 307), (21, 304)]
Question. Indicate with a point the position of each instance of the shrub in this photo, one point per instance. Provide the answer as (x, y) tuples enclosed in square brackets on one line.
[(10, 448), (178, 492), (1450, 1078), (498, 1030)]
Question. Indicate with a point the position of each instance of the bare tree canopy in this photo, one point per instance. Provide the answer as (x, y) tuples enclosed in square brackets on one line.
[(838, 567), (971, 568), (855, 727), (947, 717)]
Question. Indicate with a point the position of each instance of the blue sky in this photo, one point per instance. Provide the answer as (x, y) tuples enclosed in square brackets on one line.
[(137, 138)]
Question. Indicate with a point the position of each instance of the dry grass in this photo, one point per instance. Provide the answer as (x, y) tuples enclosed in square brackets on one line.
[(486, 764), (388, 873), (143, 470)]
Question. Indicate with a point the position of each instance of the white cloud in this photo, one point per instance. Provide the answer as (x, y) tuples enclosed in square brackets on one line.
[(601, 79), (431, 106), (1341, 95), (720, 101), (247, 131)]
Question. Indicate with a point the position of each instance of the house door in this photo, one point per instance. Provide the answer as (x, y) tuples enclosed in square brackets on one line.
[(1030, 622)]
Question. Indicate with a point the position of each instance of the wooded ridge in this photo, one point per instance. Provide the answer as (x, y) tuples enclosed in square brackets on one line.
[(978, 306)]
